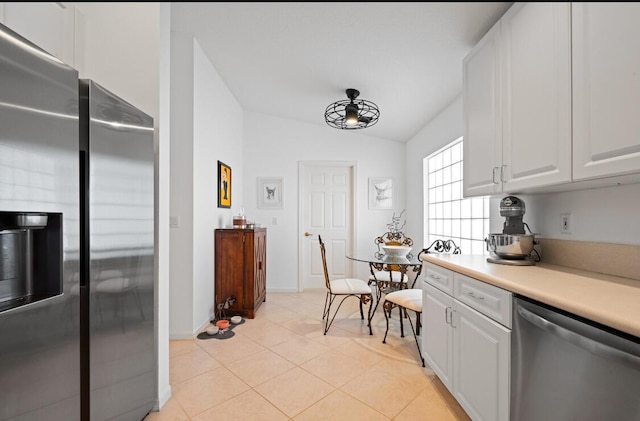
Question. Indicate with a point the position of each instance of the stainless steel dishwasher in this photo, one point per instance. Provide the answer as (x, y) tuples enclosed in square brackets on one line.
[(567, 368)]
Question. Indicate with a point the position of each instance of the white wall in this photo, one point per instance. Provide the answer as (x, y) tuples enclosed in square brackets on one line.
[(206, 126), (608, 214), (273, 147), (217, 135), (163, 168), (121, 50), (442, 130), (181, 187)]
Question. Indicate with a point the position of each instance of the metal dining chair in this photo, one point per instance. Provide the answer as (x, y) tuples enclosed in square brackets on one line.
[(410, 299), (394, 275), (345, 288)]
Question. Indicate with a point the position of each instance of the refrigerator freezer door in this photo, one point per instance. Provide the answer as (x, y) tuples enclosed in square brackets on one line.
[(39, 341), (119, 143)]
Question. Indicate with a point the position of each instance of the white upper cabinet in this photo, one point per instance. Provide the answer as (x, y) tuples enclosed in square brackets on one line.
[(517, 102), (482, 144), (49, 25), (536, 104), (606, 89)]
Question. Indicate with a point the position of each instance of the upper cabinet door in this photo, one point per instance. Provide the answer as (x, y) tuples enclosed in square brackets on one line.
[(536, 79), (482, 144), (606, 89)]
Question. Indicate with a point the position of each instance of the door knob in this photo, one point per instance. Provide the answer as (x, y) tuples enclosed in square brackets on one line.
[(307, 234)]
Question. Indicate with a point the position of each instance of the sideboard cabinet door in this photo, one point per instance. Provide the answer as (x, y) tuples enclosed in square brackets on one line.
[(240, 269)]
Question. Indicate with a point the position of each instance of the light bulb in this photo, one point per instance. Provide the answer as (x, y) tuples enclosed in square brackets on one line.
[(351, 111)]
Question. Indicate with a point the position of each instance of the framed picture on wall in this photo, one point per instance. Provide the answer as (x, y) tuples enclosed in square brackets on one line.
[(224, 185), (380, 193), (270, 193)]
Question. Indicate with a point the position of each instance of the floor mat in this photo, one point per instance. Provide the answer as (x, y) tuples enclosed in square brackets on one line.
[(222, 334)]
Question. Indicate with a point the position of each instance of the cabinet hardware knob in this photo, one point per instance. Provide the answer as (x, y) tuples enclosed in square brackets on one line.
[(307, 234)]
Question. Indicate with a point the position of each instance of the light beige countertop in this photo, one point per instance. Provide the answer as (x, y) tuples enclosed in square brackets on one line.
[(609, 300)]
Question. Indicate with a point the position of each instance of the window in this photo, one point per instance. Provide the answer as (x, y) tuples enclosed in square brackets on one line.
[(447, 214)]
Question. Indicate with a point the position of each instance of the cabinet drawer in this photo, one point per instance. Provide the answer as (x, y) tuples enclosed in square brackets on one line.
[(439, 277), (489, 300)]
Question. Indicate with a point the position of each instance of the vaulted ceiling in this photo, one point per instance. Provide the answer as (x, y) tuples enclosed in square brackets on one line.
[(292, 60)]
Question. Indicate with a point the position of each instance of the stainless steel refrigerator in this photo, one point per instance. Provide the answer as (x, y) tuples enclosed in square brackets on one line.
[(76, 244)]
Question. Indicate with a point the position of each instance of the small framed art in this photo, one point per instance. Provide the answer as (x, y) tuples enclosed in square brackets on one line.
[(224, 185), (380, 193), (270, 193)]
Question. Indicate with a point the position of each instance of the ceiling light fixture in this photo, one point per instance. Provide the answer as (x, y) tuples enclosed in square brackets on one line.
[(352, 113)]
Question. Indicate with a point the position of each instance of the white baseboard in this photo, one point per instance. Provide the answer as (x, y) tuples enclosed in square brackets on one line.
[(189, 335), (164, 397), (180, 336)]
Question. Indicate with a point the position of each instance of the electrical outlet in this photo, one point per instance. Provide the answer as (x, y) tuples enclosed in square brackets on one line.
[(566, 225)]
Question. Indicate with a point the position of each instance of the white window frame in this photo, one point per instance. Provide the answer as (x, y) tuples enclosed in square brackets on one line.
[(447, 214)]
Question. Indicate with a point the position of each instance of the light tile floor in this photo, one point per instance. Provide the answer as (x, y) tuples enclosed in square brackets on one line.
[(280, 366)]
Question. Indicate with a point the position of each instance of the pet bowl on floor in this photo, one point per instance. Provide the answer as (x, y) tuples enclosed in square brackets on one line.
[(222, 324), (236, 319)]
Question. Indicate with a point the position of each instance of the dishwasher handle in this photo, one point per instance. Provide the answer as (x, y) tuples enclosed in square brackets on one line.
[(602, 347)]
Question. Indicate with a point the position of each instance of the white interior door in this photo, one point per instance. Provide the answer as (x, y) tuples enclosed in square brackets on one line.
[(326, 209)]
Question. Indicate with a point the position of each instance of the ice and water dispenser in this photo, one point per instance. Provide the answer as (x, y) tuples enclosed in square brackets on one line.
[(30, 257)]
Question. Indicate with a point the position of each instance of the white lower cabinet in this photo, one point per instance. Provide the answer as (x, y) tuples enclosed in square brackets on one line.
[(481, 363), (437, 335), (469, 351)]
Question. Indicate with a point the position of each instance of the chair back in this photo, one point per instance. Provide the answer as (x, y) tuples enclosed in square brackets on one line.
[(323, 253), (393, 239), (442, 246)]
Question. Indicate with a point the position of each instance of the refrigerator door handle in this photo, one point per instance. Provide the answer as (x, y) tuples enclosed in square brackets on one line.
[(84, 213)]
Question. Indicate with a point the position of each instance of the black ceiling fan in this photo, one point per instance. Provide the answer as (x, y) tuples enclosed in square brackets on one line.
[(352, 113)]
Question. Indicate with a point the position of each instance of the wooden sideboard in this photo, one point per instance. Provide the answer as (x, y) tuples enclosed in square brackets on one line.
[(240, 269)]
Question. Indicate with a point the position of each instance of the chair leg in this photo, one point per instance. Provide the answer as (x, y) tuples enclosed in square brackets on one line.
[(328, 323), (327, 310), (386, 316), (401, 323), (370, 314), (378, 298), (415, 337), (326, 300), (388, 311)]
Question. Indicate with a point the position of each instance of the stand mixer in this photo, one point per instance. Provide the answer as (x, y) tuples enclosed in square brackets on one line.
[(513, 246)]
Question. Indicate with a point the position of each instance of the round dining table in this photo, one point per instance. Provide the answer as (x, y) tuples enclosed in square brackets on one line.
[(382, 265)]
